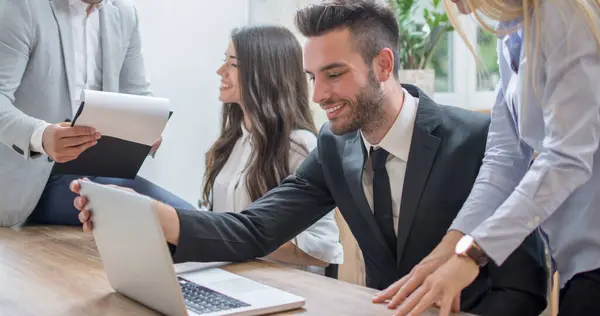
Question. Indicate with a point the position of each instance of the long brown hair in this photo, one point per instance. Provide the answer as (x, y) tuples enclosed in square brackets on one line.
[(274, 92)]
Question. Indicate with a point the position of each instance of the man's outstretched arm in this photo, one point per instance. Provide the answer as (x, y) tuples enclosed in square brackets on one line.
[(284, 212), (266, 224)]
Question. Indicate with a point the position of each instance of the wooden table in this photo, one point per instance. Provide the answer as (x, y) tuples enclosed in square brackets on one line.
[(57, 271)]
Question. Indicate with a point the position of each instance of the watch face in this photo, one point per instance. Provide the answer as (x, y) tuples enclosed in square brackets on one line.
[(464, 244)]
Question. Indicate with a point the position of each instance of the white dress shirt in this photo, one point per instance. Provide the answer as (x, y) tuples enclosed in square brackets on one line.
[(397, 143), (88, 52), (85, 25), (320, 241)]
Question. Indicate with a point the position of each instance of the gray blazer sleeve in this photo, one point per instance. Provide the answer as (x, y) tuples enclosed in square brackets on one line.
[(133, 79), (300, 201), (16, 40)]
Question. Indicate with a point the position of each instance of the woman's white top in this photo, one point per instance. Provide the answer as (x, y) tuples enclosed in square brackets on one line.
[(320, 241)]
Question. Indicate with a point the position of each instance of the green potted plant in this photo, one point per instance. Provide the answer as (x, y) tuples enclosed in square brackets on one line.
[(421, 27)]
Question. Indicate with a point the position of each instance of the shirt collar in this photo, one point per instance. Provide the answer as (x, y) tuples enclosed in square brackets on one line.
[(79, 3), (245, 132), (398, 138), (505, 26)]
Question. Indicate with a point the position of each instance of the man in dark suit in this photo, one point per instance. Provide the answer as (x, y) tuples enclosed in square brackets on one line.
[(396, 164)]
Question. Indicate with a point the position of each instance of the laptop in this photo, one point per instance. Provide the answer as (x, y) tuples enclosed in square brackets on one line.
[(138, 264)]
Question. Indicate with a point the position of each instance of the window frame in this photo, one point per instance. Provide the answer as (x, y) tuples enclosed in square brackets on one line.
[(464, 83)]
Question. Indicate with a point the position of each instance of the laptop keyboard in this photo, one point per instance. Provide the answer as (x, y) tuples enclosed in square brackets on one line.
[(202, 300)]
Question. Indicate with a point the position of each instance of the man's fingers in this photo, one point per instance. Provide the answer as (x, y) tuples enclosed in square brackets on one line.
[(157, 143), (76, 141), (87, 227), (389, 291), (66, 158), (80, 203), (407, 289), (84, 216), (75, 186), (407, 306), (72, 153), (75, 131), (427, 302), (456, 304), (76, 150), (447, 305)]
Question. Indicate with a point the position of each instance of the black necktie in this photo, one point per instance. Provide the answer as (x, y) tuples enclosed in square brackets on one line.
[(382, 197)]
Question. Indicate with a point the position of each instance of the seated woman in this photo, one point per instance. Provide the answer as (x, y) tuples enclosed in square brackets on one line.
[(267, 130)]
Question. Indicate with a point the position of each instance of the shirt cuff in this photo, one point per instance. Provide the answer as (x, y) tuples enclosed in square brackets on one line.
[(36, 142), (325, 250), (500, 235)]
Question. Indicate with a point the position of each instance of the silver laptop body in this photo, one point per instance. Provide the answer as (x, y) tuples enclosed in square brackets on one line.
[(138, 264)]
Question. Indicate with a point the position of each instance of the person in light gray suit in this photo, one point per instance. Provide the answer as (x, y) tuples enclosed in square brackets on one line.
[(49, 51)]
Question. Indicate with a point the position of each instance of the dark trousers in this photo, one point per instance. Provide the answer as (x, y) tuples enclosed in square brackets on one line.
[(581, 295), (519, 286), (55, 206)]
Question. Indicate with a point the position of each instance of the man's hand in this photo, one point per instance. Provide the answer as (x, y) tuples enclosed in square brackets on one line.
[(169, 220), (64, 143), (156, 146), (80, 203), (442, 288), (403, 288)]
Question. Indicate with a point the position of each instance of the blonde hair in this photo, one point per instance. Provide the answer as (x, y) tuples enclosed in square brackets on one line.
[(510, 10)]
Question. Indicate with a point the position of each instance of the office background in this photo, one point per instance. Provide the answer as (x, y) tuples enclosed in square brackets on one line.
[(184, 42)]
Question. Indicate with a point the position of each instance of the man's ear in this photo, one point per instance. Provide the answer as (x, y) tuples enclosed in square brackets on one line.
[(383, 64)]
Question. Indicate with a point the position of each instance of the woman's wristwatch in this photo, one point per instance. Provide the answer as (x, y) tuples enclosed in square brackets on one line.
[(468, 247)]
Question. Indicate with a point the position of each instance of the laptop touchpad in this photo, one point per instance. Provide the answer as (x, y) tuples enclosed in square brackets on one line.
[(224, 281), (238, 286)]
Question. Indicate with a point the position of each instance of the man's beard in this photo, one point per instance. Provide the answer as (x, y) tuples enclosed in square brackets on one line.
[(366, 111)]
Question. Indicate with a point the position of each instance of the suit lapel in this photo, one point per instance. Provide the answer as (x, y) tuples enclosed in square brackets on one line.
[(61, 9), (423, 151), (353, 164), (110, 35)]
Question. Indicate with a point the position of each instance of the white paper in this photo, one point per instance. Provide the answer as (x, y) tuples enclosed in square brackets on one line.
[(139, 119)]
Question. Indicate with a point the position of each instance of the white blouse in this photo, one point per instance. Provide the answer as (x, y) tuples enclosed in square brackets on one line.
[(320, 241)]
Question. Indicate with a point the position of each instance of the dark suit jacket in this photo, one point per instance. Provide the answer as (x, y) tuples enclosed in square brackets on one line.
[(446, 151)]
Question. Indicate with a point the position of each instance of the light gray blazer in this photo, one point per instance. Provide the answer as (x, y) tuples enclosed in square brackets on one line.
[(37, 83)]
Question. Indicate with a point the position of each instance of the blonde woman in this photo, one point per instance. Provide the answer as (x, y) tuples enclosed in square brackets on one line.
[(548, 103)]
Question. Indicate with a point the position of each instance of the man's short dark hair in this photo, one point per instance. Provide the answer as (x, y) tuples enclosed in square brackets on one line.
[(372, 24)]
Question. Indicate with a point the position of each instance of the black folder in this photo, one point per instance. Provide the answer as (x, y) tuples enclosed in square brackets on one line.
[(110, 157)]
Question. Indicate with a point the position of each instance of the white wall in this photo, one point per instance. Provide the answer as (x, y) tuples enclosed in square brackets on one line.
[(282, 12), (184, 42)]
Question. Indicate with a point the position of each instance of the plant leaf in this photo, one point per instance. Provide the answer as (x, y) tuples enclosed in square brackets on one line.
[(419, 32)]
